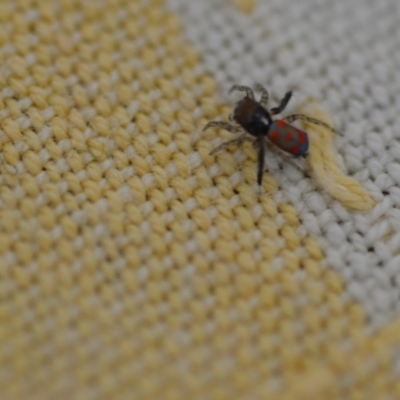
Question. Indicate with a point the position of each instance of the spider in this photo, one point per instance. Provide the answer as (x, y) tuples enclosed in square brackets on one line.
[(252, 120)]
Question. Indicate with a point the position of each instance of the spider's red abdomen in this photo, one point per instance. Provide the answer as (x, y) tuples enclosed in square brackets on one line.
[(288, 138)]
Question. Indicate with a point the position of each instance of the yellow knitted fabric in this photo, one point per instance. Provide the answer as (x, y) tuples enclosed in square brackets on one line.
[(324, 167), (133, 266), (246, 6)]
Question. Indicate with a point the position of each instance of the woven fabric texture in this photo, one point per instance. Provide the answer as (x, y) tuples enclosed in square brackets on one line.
[(134, 265), (344, 56)]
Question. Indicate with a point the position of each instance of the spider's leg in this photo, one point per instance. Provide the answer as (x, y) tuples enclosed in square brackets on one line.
[(249, 91), (264, 96), (235, 142), (315, 121), (282, 104), (261, 159), (224, 125)]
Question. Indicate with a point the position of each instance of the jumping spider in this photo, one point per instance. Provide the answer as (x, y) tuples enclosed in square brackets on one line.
[(252, 120)]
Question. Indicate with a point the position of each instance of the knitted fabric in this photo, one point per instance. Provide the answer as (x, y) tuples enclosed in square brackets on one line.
[(342, 55), (134, 265)]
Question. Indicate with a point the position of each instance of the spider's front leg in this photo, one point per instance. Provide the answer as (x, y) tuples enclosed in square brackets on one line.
[(264, 95), (305, 118), (282, 104), (249, 91)]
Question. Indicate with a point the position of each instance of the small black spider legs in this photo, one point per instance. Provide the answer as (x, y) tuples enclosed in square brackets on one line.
[(284, 102), (302, 117), (264, 97), (261, 158), (244, 137), (224, 125), (234, 142), (246, 89)]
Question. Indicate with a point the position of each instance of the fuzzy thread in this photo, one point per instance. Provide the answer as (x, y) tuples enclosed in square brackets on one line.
[(324, 167)]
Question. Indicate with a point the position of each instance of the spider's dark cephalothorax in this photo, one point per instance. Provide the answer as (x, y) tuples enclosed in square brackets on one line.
[(254, 122)]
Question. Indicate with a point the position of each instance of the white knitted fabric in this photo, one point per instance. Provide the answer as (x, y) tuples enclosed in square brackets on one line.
[(346, 55)]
